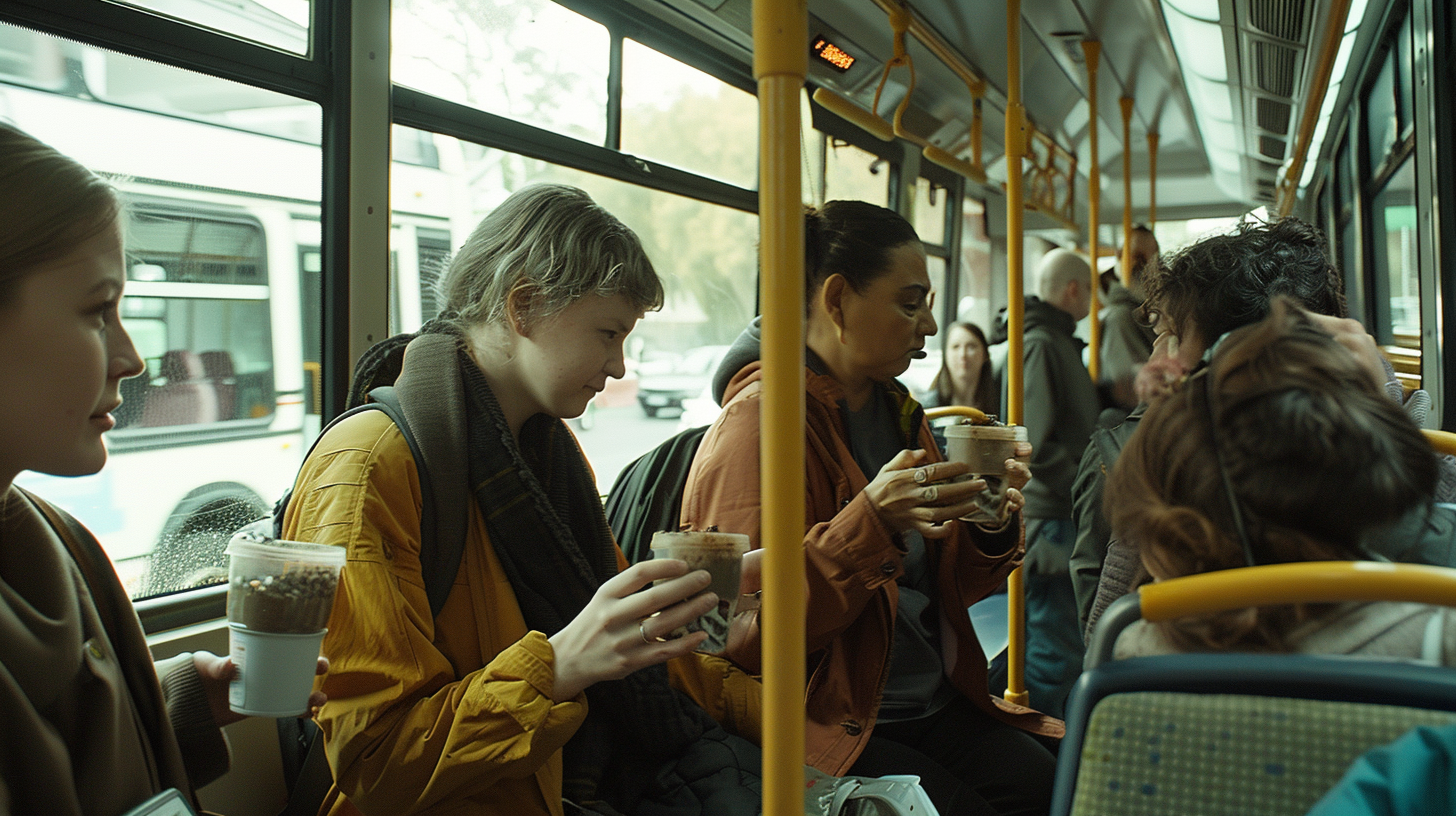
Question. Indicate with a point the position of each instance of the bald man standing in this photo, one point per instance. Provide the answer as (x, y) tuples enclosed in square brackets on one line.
[(1061, 413)]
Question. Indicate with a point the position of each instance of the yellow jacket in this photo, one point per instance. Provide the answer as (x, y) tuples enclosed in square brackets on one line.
[(448, 719)]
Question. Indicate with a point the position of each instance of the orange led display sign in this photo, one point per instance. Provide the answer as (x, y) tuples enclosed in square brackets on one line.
[(827, 52)]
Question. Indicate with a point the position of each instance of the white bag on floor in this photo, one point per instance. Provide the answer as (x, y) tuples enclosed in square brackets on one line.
[(826, 795)]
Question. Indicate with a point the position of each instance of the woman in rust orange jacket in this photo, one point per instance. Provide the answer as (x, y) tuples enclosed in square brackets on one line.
[(897, 677)]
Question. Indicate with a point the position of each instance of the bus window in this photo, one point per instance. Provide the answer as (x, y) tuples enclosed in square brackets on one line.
[(929, 212), (974, 287), (434, 249), (683, 117), (221, 185), (529, 60), (1397, 272), (30, 58), (282, 24), (198, 293), (851, 173)]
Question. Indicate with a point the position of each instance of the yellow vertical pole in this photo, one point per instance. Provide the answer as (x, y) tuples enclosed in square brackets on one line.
[(1015, 320), (780, 62), (1152, 179), (1126, 103), (977, 93), (1092, 51)]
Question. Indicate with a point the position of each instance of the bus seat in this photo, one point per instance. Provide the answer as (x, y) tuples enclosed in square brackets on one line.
[(1238, 733), (185, 398), (218, 367)]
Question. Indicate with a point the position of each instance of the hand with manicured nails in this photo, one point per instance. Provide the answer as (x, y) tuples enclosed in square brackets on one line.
[(622, 630)]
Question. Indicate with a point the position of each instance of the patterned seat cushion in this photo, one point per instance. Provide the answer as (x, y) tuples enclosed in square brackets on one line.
[(1211, 755)]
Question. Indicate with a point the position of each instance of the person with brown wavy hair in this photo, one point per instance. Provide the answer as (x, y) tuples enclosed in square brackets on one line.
[(965, 376), (1281, 450)]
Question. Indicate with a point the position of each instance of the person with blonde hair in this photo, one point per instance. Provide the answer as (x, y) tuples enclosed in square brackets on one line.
[(541, 681), (91, 725), (1282, 449)]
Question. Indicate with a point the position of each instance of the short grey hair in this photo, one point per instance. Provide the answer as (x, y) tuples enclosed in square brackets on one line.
[(557, 242)]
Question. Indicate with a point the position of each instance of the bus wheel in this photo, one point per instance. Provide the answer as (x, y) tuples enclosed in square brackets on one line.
[(190, 552)]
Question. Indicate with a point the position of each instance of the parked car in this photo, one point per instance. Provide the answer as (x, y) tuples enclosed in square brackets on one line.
[(665, 390)]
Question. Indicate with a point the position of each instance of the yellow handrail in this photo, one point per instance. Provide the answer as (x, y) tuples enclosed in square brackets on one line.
[(1307, 582), (780, 62), (1152, 179), (975, 169), (1443, 442), (977, 416), (1126, 103), (1309, 117), (1092, 51), (1015, 322), (865, 120)]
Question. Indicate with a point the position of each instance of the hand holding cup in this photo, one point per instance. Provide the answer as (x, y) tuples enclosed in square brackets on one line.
[(910, 496), (995, 454)]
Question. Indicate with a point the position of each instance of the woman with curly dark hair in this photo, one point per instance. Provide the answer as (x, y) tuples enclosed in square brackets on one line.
[(1281, 450)]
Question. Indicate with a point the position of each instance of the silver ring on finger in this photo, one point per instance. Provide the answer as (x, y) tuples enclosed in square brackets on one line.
[(920, 476), (931, 493), (642, 630)]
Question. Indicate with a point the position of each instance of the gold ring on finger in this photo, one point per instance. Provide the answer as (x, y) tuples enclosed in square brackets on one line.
[(931, 493), (920, 476), (642, 630)]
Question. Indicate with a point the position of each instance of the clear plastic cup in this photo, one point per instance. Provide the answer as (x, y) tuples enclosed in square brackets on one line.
[(985, 448), (721, 554), (280, 594)]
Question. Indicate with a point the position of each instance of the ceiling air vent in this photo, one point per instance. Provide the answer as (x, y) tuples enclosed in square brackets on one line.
[(1274, 68), (1271, 147), (1278, 18), (1264, 189), (1271, 114)]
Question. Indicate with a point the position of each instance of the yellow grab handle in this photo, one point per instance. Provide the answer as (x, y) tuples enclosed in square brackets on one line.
[(865, 120), (1307, 582), (1443, 442), (978, 417)]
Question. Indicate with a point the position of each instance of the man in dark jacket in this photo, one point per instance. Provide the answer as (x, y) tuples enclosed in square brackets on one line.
[(1061, 412), (1126, 340)]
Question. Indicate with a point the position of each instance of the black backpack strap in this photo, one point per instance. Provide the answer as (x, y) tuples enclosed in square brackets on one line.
[(434, 407)]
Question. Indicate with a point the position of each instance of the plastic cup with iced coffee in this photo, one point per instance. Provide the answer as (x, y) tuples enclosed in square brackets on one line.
[(280, 594), (985, 448), (721, 554)]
